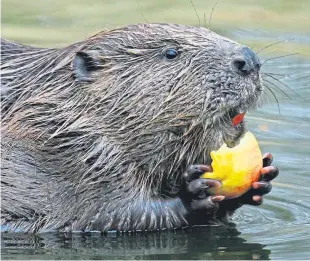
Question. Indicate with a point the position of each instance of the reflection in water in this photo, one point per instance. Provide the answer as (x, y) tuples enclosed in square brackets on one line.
[(213, 242)]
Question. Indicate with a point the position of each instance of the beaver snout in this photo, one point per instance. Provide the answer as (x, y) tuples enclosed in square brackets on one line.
[(246, 62)]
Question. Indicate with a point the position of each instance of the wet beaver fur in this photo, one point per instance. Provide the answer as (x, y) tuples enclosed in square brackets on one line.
[(97, 135)]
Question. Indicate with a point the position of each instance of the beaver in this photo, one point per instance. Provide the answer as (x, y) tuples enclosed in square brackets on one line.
[(109, 133)]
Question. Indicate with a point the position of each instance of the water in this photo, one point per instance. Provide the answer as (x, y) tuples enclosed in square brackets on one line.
[(279, 229)]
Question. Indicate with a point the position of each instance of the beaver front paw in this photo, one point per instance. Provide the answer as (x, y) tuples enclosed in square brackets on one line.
[(195, 197)]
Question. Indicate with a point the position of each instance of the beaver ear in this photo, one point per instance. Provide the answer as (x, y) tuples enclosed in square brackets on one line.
[(85, 65)]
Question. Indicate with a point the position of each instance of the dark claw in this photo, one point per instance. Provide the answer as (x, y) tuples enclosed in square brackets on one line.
[(267, 159), (269, 173), (195, 171)]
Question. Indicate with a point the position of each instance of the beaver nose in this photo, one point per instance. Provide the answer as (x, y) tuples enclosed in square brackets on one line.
[(247, 62)]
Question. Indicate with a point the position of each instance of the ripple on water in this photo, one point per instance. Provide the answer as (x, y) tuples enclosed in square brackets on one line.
[(279, 223), (275, 212)]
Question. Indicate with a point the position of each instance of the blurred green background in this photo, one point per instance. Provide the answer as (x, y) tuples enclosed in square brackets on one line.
[(55, 23)]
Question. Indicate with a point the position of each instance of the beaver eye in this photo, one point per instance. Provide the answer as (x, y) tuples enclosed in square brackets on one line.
[(171, 54)]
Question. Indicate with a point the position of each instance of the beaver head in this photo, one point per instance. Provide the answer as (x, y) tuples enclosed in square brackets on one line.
[(156, 97)]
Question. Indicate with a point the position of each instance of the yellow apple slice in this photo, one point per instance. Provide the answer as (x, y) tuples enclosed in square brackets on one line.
[(237, 168)]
